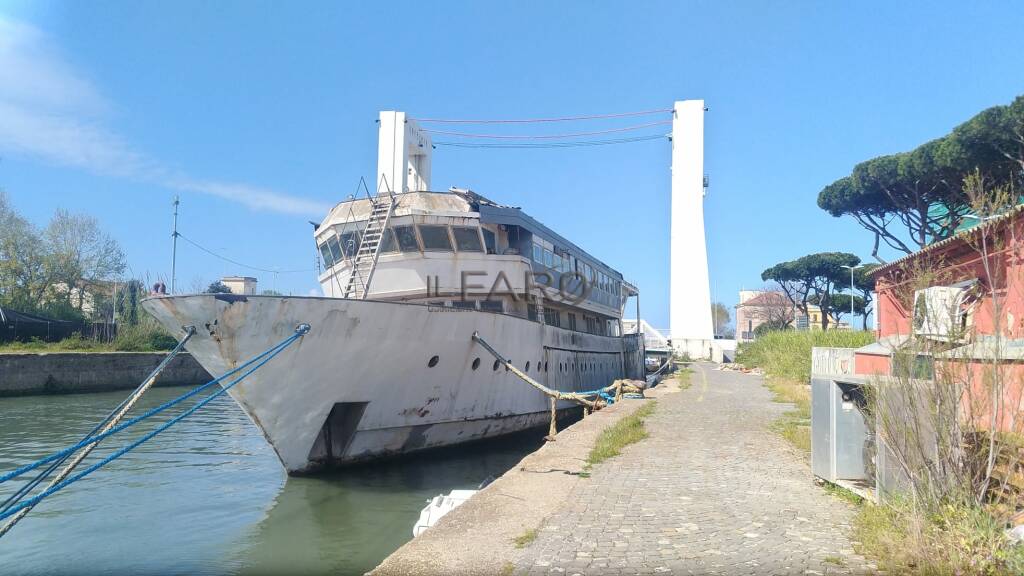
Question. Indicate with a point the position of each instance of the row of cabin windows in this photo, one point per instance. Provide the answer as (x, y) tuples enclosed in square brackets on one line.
[(408, 239), (561, 261), (542, 366), (552, 317), (485, 305)]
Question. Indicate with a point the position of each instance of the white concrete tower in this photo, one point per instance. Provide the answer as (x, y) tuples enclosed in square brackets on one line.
[(403, 154), (690, 292)]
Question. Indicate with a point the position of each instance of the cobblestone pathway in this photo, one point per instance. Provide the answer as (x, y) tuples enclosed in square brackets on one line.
[(711, 491)]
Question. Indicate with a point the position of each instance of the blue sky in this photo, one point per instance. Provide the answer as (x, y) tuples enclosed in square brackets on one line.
[(260, 114)]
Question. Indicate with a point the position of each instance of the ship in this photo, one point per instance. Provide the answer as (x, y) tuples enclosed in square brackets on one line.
[(389, 364)]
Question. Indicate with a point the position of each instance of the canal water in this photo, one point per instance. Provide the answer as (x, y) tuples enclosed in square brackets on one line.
[(208, 496)]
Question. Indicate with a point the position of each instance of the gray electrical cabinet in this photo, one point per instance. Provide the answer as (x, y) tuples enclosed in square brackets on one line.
[(842, 445)]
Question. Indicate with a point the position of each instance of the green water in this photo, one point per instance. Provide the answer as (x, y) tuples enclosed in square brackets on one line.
[(208, 496)]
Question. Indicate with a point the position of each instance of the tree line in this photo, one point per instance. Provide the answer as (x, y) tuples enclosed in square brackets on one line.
[(60, 270)]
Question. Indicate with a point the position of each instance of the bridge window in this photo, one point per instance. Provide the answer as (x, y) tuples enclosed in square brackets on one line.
[(350, 244), (467, 239), (489, 241), (325, 253), (387, 242), (332, 243), (406, 239), (435, 238), (538, 254)]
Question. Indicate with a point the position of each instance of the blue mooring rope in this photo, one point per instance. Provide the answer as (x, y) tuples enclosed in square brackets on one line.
[(39, 478), (266, 355), (128, 423), (604, 395)]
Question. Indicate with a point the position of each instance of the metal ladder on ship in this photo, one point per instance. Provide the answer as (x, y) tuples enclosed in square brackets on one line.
[(365, 261)]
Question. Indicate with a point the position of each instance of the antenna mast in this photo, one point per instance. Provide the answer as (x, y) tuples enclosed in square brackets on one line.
[(174, 245)]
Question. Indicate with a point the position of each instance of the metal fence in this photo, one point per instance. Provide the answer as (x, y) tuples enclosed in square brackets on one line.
[(22, 327)]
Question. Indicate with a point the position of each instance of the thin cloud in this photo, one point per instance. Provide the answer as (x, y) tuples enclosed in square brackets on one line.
[(50, 112)]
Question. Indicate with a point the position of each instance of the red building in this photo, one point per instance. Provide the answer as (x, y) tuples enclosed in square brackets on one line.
[(958, 307)]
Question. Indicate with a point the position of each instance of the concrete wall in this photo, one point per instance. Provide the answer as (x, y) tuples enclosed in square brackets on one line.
[(75, 372)]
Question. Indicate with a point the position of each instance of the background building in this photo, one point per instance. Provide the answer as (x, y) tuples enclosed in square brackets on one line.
[(245, 285)]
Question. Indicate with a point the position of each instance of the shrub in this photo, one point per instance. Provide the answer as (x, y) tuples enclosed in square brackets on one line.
[(146, 336)]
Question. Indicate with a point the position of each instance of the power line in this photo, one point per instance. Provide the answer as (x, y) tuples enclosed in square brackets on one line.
[(536, 120), (551, 145), (549, 136), (237, 263)]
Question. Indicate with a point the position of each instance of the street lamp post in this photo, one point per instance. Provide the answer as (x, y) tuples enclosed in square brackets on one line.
[(852, 290)]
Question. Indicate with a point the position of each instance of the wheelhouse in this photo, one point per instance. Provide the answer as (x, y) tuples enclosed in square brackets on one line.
[(460, 251)]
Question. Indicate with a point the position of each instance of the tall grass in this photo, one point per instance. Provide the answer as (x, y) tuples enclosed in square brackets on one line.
[(787, 354)]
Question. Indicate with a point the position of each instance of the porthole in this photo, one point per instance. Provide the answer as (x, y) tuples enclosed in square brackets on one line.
[(545, 366), (476, 363), (433, 361), (496, 364), (527, 367)]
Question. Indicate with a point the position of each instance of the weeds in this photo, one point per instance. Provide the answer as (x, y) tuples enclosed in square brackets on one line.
[(843, 494), (795, 424), (684, 378), (947, 538), (526, 538), (835, 560), (627, 431)]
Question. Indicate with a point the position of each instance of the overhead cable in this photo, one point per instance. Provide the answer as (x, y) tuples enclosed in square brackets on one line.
[(537, 120), (575, 144), (237, 263), (549, 136)]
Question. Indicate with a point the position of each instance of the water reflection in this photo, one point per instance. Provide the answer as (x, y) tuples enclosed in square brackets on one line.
[(350, 520), (209, 497)]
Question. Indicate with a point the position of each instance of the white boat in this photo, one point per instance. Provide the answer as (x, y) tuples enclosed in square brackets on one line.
[(438, 506), (389, 364)]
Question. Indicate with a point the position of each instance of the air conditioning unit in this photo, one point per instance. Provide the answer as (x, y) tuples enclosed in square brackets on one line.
[(943, 313)]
